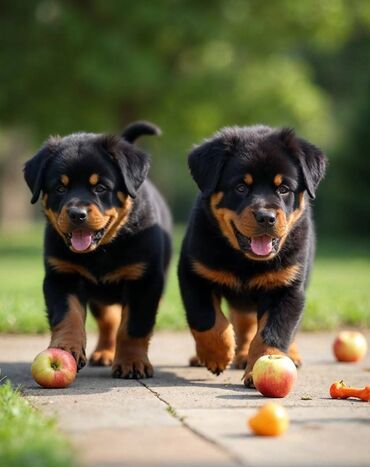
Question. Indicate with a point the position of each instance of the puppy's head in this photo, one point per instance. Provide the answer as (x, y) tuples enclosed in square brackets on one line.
[(87, 182), (254, 180)]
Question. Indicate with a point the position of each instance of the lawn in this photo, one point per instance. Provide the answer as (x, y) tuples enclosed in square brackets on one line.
[(339, 293), (27, 437)]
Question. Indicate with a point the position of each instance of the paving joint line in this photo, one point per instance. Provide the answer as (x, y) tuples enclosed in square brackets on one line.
[(172, 412)]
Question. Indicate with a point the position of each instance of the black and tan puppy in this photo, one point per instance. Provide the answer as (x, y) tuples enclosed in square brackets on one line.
[(250, 239), (107, 244)]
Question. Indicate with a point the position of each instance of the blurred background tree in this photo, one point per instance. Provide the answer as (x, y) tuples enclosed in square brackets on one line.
[(191, 67)]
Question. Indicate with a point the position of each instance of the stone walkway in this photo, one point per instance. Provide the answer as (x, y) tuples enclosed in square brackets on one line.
[(186, 416)]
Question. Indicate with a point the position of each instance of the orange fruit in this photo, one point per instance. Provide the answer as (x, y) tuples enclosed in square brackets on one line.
[(271, 420)]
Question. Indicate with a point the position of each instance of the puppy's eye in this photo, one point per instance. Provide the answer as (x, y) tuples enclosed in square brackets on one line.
[(241, 188), (283, 190), (61, 189), (100, 188)]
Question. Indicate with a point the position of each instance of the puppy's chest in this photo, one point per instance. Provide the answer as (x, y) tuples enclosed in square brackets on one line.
[(103, 270), (247, 279)]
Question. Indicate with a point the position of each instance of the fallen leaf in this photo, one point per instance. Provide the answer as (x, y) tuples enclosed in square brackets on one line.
[(306, 397)]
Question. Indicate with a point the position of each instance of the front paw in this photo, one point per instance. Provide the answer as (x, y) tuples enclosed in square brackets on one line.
[(294, 355), (78, 352), (216, 365), (248, 380), (215, 350), (101, 358), (194, 361), (132, 368)]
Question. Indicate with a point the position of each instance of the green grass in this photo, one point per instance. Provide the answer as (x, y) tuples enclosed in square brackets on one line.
[(339, 293), (27, 438)]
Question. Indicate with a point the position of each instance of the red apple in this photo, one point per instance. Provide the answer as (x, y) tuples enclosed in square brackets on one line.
[(54, 368), (349, 346), (274, 375)]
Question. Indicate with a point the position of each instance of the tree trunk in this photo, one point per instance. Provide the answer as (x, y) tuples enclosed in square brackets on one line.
[(15, 209)]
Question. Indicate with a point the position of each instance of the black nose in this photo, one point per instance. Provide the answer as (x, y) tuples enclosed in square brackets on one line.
[(77, 215), (265, 216)]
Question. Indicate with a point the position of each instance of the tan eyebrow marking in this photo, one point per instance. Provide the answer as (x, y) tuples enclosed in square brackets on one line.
[(248, 179), (278, 180), (94, 178), (64, 179)]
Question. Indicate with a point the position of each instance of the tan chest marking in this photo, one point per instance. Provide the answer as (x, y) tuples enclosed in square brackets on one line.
[(268, 280), (67, 267), (274, 279), (130, 272), (217, 275)]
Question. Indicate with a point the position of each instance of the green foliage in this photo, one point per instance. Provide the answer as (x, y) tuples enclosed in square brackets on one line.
[(191, 67), (338, 295), (27, 438)]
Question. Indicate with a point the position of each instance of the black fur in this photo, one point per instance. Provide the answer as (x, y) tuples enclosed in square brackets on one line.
[(143, 238), (132, 162), (219, 165)]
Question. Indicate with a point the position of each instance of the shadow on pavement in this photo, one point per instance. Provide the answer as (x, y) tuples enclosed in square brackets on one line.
[(98, 380)]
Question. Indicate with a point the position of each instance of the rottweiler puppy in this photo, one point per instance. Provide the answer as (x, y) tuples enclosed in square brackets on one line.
[(250, 240), (107, 245)]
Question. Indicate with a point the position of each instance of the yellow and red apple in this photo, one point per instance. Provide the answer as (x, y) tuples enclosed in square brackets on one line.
[(274, 375), (271, 420), (54, 368), (349, 346)]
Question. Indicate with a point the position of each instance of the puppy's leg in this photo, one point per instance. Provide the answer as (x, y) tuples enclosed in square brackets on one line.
[(276, 327), (138, 319), (108, 319), (213, 334), (66, 306), (245, 328), (294, 354)]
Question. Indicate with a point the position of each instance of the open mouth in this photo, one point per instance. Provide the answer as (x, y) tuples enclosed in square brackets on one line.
[(261, 245), (82, 240)]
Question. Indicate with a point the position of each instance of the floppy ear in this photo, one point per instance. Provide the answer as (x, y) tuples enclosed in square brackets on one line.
[(311, 159), (133, 163), (206, 162), (34, 171)]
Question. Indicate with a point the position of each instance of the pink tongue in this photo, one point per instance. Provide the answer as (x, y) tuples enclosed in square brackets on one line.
[(262, 245), (81, 240)]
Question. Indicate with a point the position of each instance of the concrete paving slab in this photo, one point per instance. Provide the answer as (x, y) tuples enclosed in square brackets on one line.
[(323, 431), (186, 416), (154, 446), (111, 422)]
